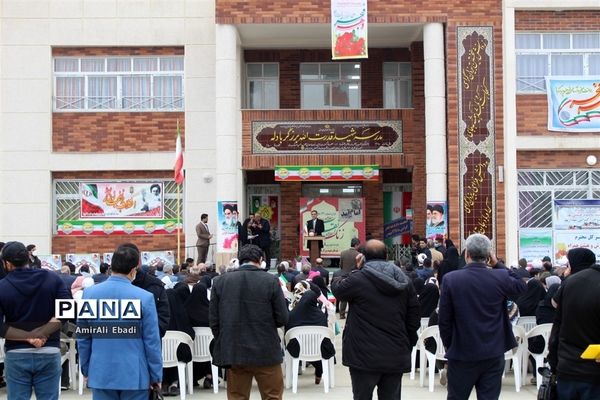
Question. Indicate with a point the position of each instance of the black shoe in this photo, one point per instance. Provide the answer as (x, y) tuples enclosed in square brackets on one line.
[(208, 384)]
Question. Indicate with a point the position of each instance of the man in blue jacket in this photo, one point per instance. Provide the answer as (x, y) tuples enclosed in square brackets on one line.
[(26, 304), (127, 366), (473, 321)]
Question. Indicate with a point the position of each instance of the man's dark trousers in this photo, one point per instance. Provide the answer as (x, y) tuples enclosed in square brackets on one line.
[(389, 386), (485, 375)]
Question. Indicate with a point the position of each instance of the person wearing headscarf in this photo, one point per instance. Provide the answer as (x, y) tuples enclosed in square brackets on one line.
[(419, 284), (307, 311), (529, 300), (196, 307), (449, 264), (428, 300)]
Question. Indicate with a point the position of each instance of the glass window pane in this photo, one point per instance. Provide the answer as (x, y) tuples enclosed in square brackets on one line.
[(390, 70), (404, 93), (309, 71), (528, 41), (136, 92), (557, 41), (405, 69), (254, 70), (70, 93), (92, 64), (594, 64), (118, 64), (586, 41), (271, 70), (389, 93), (144, 64), (171, 63), (271, 96), (255, 94), (330, 71), (340, 94), (350, 72), (531, 70), (168, 92), (66, 65), (315, 95), (567, 64), (102, 92)]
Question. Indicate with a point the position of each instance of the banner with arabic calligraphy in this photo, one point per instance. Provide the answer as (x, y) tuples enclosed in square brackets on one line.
[(576, 214), (349, 29), (535, 244), (476, 131), (344, 219), (567, 240), (121, 200), (293, 137), (573, 103), (310, 173)]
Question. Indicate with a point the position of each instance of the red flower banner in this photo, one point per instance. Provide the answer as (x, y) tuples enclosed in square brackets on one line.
[(349, 29)]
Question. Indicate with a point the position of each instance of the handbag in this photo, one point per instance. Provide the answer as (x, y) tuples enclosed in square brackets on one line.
[(547, 390), (155, 394)]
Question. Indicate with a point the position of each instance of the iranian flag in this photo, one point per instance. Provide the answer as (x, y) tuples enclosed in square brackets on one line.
[(178, 158)]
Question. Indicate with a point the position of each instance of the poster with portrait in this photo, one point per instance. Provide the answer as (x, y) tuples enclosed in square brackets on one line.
[(344, 219), (52, 261), (437, 219), (166, 257), (116, 200), (227, 226), (79, 259)]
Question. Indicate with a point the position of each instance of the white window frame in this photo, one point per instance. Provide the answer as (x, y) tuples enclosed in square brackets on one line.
[(330, 82), (262, 79), (119, 75), (585, 52), (396, 80)]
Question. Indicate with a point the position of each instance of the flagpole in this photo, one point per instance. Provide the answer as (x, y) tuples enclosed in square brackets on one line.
[(178, 224)]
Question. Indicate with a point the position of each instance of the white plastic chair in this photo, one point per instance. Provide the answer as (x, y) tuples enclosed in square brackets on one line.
[(528, 323), (413, 353), (170, 342), (69, 356), (1, 350), (542, 330), (426, 356), (309, 339), (516, 355), (201, 353)]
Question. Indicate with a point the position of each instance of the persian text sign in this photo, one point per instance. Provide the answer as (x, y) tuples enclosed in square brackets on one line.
[(576, 214), (283, 137), (573, 104), (476, 131), (349, 29)]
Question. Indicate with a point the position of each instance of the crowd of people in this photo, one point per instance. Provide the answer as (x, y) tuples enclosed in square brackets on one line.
[(471, 295)]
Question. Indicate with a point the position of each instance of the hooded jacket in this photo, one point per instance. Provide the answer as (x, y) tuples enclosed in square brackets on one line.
[(155, 286), (383, 319), (27, 302)]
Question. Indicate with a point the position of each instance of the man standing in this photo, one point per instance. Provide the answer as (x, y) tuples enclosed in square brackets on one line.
[(321, 270), (261, 228), (577, 325), (122, 368), (473, 321), (27, 298), (204, 237), (382, 323), (246, 308), (315, 226)]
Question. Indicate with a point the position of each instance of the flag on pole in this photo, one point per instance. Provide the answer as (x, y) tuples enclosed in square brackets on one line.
[(178, 158)]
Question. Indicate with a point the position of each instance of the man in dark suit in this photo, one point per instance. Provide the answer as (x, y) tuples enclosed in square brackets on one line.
[(261, 227), (315, 226), (473, 321)]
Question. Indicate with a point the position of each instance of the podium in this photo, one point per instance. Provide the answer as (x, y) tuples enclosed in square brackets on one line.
[(313, 248)]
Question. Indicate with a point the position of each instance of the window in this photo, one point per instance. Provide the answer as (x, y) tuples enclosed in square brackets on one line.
[(330, 85), (118, 83), (262, 82), (554, 54), (397, 85)]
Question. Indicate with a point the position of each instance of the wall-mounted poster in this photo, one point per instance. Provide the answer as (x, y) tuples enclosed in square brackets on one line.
[(155, 257), (227, 226), (91, 259), (576, 214), (53, 261), (567, 240), (268, 207), (344, 219), (437, 219), (535, 244), (349, 29), (573, 103)]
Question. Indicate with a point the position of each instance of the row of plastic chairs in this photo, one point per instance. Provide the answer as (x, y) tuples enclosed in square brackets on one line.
[(519, 355)]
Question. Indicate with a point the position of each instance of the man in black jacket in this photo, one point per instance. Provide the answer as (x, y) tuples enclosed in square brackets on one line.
[(381, 327), (577, 325), (246, 308), (262, 229)]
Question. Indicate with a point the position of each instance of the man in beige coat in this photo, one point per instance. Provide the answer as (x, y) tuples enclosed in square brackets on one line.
[(204, 237)]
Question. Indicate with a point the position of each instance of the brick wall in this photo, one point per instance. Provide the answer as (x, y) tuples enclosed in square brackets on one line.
[(290, 193), (552, 21), (565, 159), (105, 244), (87, 132), (373, 194)]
